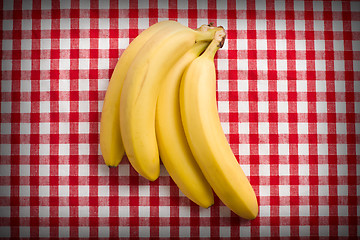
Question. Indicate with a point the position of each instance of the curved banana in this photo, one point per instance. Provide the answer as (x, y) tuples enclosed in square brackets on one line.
[(206, 137), (111, 143), (174, 150), (140, 92)]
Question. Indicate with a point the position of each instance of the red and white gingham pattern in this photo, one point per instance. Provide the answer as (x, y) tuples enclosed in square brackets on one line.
[(289, 102)]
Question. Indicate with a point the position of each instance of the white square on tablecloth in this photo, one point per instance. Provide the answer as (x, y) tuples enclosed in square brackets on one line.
[(24, 149), (323, 210), (5, 170), (284, 170), (103, 211), (84, 149), (103, 191), (104, 4), (45, 44), (264, 190), (241, 24), (304, 190), (322, 149), (25, 107), (124, 190), (83, 232), (320, 65), (265, 231), (44, 169), (84, 23), (184, 211), (264, 150), (284, 211), (64, 127), (261, 44), (84, 43), (164, 211), (343, 230), (44, 232), (260, 5), (64, 232), (263, 107), (184, 231), (26, 24), (262, 85), (340, 86), (300, 45), (339, 65), (45, 24), (6, 129), (321, 107), (284, 190), (103, 63), (261, 24), (25, 86), (223, 85), (44, 191), (5, 231), (204, 232), (242, 64), (24, 232), (44, 65), (225, 231), (341, 128), (300, 65), (124, 211), (6, 85), (341, 149), (84, 63), (65, 4), (24, 211), (25, 128), (83, 169), (284, 231), (104, 23), (299, 26), (223, 107), (282, 85), (144, 231), (7, 25), (84, 211), (8, 45), (6, 65), (5, 191), (263, 127), (44, 211), (339, 45), (84, 127), (318, 6), (280, 45), (337, 26), (318, 25), (322, 128), (304, 230), (5, 212), (303, 149), (303, 169), (163, 4), (65, 43), (143, 23), (63, 190), (244, 149), (64, 64), (25, 44), (24, 191), (301, 85), (262, 64), (245, 231), (264, 211), (280, 25), (44, 128), (304, 210), (323, 169), (64, 106), (283, 128), (323, 190), (283, 149), (44, 149), (319, 45), (282, 107), (84, 106), (103, 231), (343, 210), (65, 23), (143, 4), (324, 231), (25, 65)]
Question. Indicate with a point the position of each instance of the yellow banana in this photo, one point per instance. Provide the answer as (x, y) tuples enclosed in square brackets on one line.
[(140, 92), (110, 137), (174, 150), (206, 137)]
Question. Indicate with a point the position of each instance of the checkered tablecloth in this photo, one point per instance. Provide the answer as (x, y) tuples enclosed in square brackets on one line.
[(288, 97)]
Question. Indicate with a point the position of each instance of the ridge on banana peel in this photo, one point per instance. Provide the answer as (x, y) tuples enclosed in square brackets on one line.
[(140, 92), (206, 138), (111, 143), (174, 150)]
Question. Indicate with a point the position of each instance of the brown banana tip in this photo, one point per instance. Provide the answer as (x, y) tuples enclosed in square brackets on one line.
[(211, 24), (111, 166), (221, 43)]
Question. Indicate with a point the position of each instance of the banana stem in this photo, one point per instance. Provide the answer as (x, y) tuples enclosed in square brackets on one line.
[(215, 44), (207, 35)]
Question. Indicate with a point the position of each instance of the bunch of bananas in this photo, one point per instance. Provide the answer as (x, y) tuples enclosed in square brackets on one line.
[(161, 104)]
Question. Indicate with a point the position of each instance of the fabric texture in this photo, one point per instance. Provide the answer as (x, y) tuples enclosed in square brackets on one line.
[(288, 98)]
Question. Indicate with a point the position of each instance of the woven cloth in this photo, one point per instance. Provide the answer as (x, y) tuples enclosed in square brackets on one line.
[(288, 98)]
